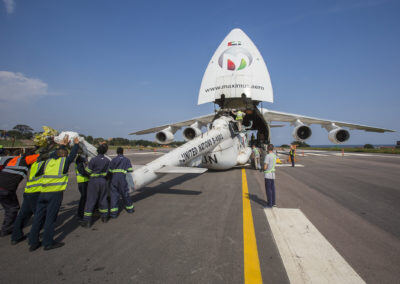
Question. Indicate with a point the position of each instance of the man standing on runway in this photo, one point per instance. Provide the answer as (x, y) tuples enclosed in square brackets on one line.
[(269, 175), (119, 167), (292, 154)]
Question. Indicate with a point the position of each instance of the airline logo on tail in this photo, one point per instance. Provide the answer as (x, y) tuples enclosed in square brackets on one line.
[(232, 43), (235, 58)]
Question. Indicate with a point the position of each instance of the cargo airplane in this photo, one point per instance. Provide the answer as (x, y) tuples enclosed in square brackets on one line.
[(236, 79)]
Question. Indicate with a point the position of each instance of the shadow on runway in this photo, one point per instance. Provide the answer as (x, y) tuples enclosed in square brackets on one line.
[(67, 222), (255, 198), (66, 217), (165, 188)]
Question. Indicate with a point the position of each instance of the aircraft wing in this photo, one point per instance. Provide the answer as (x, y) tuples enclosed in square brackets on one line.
[(202, 120), (271, 115)]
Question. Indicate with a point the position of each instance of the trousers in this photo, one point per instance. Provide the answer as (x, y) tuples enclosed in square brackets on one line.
[(82, 186), (47, 208), (9, 201), (119, 188), (270, 190), (28, 208), (257, 162), (96, 193), (292, 159)]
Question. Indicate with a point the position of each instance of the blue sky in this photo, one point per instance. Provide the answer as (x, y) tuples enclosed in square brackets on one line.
[(107, 68)]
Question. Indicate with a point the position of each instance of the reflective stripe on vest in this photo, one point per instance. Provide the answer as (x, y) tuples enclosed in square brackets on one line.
[(272, 170), (53, 178), (5, 159), (80, 178), (34, 184), (14, 167)]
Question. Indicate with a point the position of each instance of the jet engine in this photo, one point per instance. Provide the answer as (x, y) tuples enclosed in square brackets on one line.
[(338, 135), (301, 132), (191, 132), (165, 136)]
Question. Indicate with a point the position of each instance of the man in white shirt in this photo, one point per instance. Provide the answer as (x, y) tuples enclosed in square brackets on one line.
[(269, 175)]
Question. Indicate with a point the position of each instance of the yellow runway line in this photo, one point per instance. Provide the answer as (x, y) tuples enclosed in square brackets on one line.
[(252, 271)]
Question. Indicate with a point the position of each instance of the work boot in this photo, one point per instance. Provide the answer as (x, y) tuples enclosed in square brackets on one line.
[(54, 246), (14, 242), (104, 219), (86, 224), (34, 247)]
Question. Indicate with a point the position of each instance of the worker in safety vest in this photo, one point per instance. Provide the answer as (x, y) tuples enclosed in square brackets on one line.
[(32, 190), (239, 118), (97, 191), (54, 179), (119, 167), (82, 179), (256, 156), (10, 177), (1, 150), (292, 154), (269, 175)]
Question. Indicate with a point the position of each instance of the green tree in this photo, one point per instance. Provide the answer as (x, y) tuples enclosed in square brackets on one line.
[(15, 134), (89, 139), (300, 144), (25, 130), (369, 146), (97, 140)]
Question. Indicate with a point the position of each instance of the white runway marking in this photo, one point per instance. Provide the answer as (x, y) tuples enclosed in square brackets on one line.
[(289, 165), (315, 154), (307, 256), (352, 154)]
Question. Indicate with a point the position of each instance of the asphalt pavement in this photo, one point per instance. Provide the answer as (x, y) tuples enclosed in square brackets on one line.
[(189, 228)]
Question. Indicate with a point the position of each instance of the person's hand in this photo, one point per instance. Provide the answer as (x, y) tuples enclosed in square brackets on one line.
[(76, 140), (65, 140)]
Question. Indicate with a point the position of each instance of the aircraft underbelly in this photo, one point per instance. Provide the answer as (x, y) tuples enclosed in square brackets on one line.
[(220, 159)]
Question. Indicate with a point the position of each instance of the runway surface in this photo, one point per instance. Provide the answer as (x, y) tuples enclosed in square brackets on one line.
[(190, 228)]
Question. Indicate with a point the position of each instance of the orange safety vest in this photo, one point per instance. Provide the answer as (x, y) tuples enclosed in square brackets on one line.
[(14, 165)]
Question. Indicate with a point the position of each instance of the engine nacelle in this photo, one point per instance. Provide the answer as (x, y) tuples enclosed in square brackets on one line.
[(301, 132), (191, 132), (165, 136), (338, 135)]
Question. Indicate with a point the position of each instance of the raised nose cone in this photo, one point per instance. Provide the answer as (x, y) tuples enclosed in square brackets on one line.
[(236, 69)]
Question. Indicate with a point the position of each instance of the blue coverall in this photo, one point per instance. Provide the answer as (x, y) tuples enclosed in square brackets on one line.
[(97, 188), (119, 167)]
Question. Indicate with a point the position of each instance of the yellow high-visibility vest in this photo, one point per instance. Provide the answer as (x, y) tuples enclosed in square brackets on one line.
[(53, 178), (80, 178), (239, 115), (34, 184)]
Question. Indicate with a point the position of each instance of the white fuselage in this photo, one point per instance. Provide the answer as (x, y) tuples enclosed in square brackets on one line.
[(228, 154), (217, 149)]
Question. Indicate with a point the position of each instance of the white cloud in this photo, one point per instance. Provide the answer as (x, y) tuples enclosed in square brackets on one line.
[(15, 87), (10, 5)]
